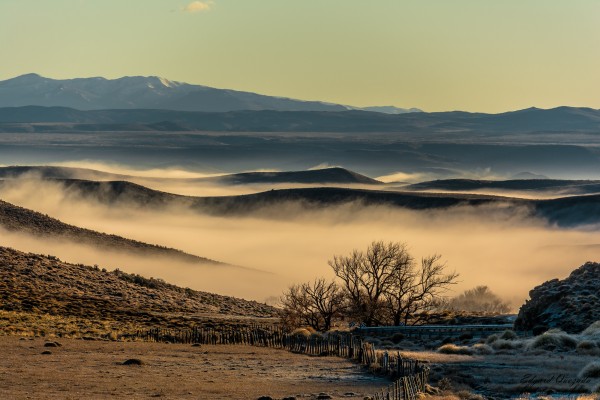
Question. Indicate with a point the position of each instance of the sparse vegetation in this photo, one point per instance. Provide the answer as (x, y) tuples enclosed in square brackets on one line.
[(42, 295), (454, 349)]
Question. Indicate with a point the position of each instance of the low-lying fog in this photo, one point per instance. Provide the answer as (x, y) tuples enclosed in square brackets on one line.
[(498, 247)]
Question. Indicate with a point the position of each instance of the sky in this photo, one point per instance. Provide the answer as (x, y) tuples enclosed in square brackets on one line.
[(437, 55)]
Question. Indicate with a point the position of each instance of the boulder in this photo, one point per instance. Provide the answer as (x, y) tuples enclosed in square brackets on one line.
[(571, 304)]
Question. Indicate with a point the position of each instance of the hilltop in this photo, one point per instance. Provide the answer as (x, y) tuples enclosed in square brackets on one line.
[(313, 176), (316, 176)]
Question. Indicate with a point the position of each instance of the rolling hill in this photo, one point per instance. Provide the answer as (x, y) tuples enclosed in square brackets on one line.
[(39, 284), (22, 220), (316, 176), (564, 211), (534, 185)]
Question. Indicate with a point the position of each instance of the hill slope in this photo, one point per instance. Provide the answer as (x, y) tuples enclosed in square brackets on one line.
[(562, 211), (18, 219), (542, 185), (45, 285), (316, 176)]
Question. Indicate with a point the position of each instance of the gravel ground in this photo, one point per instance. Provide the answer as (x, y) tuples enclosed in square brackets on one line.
[(92, 370)]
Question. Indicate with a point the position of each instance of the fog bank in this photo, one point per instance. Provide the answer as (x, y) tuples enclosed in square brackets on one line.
[(497, 246)]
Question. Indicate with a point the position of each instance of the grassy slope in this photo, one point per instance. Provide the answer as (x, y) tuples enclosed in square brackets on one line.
[(45, 285)]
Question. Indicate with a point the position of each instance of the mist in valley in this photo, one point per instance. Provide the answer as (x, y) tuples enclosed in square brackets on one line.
[(498, 246)]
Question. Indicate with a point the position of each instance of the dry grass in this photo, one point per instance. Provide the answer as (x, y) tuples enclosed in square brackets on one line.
[(44, 285), (454, 349)]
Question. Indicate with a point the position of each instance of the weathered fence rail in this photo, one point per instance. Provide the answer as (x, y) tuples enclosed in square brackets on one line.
[(411, 375)]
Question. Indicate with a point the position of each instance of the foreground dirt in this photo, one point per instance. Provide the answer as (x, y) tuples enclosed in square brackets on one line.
[(92, 369)]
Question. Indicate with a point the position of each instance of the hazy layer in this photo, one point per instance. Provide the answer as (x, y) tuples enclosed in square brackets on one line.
[(498, 246)]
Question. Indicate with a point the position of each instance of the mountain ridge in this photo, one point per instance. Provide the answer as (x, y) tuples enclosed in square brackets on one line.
[(560, 120), (151, 92)]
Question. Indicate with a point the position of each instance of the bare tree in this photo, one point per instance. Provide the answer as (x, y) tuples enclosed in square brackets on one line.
[(368, 276), (315, 304), (385, 284), (418, 289)]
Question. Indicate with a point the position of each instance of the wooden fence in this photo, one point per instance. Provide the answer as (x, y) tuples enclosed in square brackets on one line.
[(410, 376)]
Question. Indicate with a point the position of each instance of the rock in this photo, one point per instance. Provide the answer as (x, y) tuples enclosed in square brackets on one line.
[(133, 361), (324, 396), (46, 352), (569, 304), (265, 398), (51, 344), (196, 345)]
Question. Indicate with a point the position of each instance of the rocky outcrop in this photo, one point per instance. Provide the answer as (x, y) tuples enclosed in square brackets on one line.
[(571, 304)]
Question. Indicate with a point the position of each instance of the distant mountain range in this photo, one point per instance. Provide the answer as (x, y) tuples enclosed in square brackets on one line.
[(139, 92), (563, 120)]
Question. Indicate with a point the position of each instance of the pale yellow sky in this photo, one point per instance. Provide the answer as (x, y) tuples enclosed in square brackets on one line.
[(473, 55)]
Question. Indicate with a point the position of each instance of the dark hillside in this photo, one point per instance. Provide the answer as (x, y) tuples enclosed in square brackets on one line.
[(45, 285), (19, 219)]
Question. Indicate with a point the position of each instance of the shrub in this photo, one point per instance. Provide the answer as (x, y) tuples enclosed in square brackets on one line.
[(592, 370), (508, 335), (588, 347), (492, 339), (482, 349), (454, 349), (554, 339), (301, 332), (503, 344), (397, 338)]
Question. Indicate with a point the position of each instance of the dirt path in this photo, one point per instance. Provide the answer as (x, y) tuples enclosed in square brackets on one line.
[(88, 369)]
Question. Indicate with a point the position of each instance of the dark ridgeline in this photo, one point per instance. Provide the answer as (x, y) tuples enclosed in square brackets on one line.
[(563, 211), (565, 186), (529, 121), (18, 219)]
